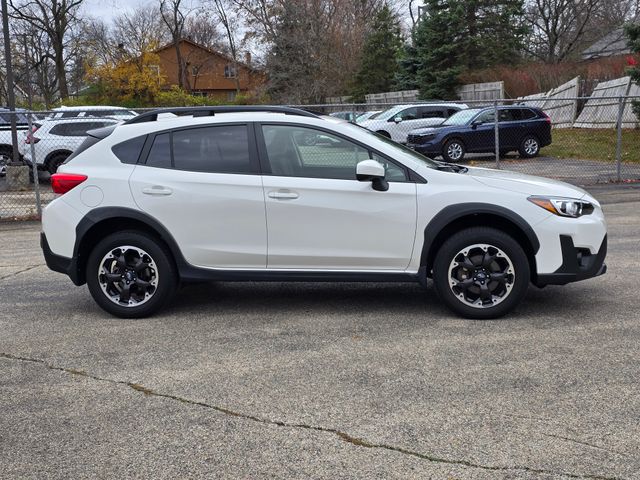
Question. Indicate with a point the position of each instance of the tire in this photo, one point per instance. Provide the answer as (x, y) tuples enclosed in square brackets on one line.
[(493, 254), (529, 147), (156, 270), (453, 151), (55, 161), (384, 133)]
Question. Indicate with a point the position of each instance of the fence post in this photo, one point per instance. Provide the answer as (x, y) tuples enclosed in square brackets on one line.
[(34, 166), (496, 133), (621, 102)]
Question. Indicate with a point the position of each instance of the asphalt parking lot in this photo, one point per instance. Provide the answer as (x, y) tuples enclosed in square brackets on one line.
[(253, 380)]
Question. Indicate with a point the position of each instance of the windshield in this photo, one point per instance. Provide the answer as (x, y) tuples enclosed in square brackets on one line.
[(375, 115), (462, 117)]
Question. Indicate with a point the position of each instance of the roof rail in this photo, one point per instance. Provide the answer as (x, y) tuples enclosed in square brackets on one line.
[(152, 116)]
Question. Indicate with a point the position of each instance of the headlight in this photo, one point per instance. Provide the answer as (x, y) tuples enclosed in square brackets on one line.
[(564, 207)]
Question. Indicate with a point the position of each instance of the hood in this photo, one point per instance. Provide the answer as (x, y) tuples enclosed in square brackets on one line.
[(526, 184), (428, 130)]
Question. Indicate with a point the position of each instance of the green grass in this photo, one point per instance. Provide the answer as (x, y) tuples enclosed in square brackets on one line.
[(593, 144)]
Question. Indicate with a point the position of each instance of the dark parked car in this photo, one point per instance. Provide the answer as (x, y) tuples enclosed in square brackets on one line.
[(525, 129)]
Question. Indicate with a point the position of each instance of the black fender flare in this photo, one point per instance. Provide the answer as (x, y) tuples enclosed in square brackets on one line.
[(101, 214), (453, 212)]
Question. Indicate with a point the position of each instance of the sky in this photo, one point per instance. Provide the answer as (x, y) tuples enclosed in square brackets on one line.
[(107, 9)]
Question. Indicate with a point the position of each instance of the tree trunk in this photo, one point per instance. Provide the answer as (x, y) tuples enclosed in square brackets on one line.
[(61, 74)]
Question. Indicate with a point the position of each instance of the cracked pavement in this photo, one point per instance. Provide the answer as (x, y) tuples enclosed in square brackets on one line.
[(253, 380)]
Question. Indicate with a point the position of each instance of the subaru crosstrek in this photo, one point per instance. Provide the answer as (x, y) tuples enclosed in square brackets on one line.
[(238, 193), (524, 129)]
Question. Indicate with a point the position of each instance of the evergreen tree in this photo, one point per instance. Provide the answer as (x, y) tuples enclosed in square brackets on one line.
[(633, 34), (437, 49), (407, 74), (379, 63), (454, 36)]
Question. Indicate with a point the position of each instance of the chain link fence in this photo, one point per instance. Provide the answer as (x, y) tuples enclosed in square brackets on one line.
[(582, 140)]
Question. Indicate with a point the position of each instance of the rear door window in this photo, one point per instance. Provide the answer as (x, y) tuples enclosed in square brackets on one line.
[(507, 115), (218, 149)]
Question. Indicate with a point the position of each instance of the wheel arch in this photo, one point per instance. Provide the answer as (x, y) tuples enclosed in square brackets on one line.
[(102, 221), (51, 155), (454, 218)]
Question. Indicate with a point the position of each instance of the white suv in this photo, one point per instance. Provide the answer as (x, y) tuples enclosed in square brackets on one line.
[(54, 140), (396, 122), (238, 193)]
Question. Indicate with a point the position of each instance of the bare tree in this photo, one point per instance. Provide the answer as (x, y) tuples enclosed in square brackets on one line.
[(174, 18), (139, 30), (559, 27), (55, 18), (230, 26), (202, 28)]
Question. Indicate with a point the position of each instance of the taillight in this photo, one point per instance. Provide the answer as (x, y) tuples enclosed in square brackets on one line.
[(547, 117), (63, 182)]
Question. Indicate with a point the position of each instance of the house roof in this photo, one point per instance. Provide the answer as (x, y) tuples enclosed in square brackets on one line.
[(208, 50), (613, 43)]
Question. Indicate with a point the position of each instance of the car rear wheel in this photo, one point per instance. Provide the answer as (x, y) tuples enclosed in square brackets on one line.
[(55, 161), (530, 147), (481, 273), (453, 151), (131, 274)]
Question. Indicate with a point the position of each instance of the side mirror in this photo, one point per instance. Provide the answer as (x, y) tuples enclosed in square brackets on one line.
[(397, 119), (372, 171)]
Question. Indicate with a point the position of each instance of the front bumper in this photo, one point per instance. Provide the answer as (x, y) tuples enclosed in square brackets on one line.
[(425, 147), (577, 264)]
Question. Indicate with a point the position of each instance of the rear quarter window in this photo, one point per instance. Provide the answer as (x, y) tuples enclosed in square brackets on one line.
[(129, 151)]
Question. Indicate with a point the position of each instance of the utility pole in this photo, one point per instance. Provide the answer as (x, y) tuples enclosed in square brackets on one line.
[(28, 72), (11, 97)]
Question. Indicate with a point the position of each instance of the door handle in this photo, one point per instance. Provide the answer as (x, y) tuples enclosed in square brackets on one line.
[(157, 190), (283, 194)]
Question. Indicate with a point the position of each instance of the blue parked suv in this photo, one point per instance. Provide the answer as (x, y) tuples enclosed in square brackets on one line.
[(525, 129)]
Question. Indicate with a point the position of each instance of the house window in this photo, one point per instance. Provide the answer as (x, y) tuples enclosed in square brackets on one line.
[(195, 70), (230, 71)]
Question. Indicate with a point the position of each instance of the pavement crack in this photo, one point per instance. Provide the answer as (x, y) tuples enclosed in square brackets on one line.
[(359, 442), (586, 444), (18, 272)]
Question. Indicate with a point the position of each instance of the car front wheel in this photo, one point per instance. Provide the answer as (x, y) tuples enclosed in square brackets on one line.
[(481, 273), (530, 147), (453, 151), (130, 274)]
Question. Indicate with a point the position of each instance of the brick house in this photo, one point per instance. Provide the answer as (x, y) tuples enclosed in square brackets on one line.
[(208, 73)]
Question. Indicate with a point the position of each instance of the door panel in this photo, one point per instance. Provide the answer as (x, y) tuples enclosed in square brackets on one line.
[(218, 220), (339, 224), (202, 185), (320, 217)]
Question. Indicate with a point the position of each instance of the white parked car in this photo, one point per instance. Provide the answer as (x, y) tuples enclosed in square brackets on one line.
[(396, 122), (93, 111), (367, 115), (55, 140), (235, 193), (6, 145)]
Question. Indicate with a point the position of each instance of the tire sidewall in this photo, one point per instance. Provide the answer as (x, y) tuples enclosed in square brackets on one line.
[(55, 162), (469, 237), (164, 264), (445, 150)]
